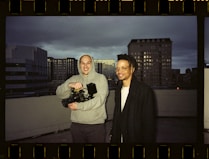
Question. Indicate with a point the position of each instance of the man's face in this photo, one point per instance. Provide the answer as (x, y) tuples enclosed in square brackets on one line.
[(85, 65), (123, 70)]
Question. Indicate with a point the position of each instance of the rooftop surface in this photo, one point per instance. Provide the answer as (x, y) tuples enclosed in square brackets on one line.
[(169, 130)]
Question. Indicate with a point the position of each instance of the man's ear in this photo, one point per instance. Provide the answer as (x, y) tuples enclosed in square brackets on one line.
[(132, 69)]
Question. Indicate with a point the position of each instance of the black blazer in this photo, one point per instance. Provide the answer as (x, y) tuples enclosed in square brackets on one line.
[(137, 121)]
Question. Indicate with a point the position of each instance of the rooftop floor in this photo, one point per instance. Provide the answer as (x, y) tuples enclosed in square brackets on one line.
[(169, 130)]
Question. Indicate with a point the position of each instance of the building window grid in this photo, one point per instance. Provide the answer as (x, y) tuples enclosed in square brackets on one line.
[(159, 61)]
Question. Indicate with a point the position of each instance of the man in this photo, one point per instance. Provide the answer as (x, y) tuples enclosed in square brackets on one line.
[(135, 107), (87, 117)]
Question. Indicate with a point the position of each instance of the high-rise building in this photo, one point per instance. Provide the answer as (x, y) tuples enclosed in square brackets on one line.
[(154, 60), (26, 70), (61, 69)]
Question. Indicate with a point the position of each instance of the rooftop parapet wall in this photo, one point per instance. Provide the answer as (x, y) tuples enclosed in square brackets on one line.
[(206, 99), (33, 116)]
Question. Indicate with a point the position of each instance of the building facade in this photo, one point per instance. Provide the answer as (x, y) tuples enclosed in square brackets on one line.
[(154, 61), (106, 67), (60, 70), (26, 71)]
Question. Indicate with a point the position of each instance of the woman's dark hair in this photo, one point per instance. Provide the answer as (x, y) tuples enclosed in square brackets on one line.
[(131, 60)]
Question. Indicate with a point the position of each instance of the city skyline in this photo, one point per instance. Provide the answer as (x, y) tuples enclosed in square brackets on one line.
[(104, 36)]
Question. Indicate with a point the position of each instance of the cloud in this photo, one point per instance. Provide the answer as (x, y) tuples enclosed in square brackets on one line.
[(206, 38), (102, 36)]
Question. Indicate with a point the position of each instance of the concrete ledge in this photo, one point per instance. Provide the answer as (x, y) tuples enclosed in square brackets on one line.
[(26, 117), (33, 116), (176, 102), (206, 98)]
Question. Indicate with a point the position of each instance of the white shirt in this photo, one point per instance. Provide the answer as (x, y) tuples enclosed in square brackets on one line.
[(124, 95)]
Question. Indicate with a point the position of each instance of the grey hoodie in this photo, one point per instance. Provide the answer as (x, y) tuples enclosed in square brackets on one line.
[(92, 111)]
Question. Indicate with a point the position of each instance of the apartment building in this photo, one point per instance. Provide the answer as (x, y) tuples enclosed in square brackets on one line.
[(59, 70), (154, 60)]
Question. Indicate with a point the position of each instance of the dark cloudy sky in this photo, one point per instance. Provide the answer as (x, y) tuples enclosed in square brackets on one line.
[(206, 32), (104, 36)]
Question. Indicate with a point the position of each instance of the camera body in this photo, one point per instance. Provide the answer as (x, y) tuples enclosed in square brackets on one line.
[(80, 96)]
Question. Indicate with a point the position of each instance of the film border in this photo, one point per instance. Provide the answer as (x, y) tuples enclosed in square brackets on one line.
[(200, 8)]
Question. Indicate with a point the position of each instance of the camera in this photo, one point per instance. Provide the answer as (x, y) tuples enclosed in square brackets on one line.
[(80, 96)]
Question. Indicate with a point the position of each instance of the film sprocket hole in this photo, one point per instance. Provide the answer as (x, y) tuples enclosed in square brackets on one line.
[(80, 96)]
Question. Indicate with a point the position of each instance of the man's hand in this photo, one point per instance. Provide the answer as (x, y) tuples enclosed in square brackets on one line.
[(76, 85), (72, 106)]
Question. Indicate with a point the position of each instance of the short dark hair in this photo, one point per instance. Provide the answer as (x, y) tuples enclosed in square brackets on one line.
[(131, 60)]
